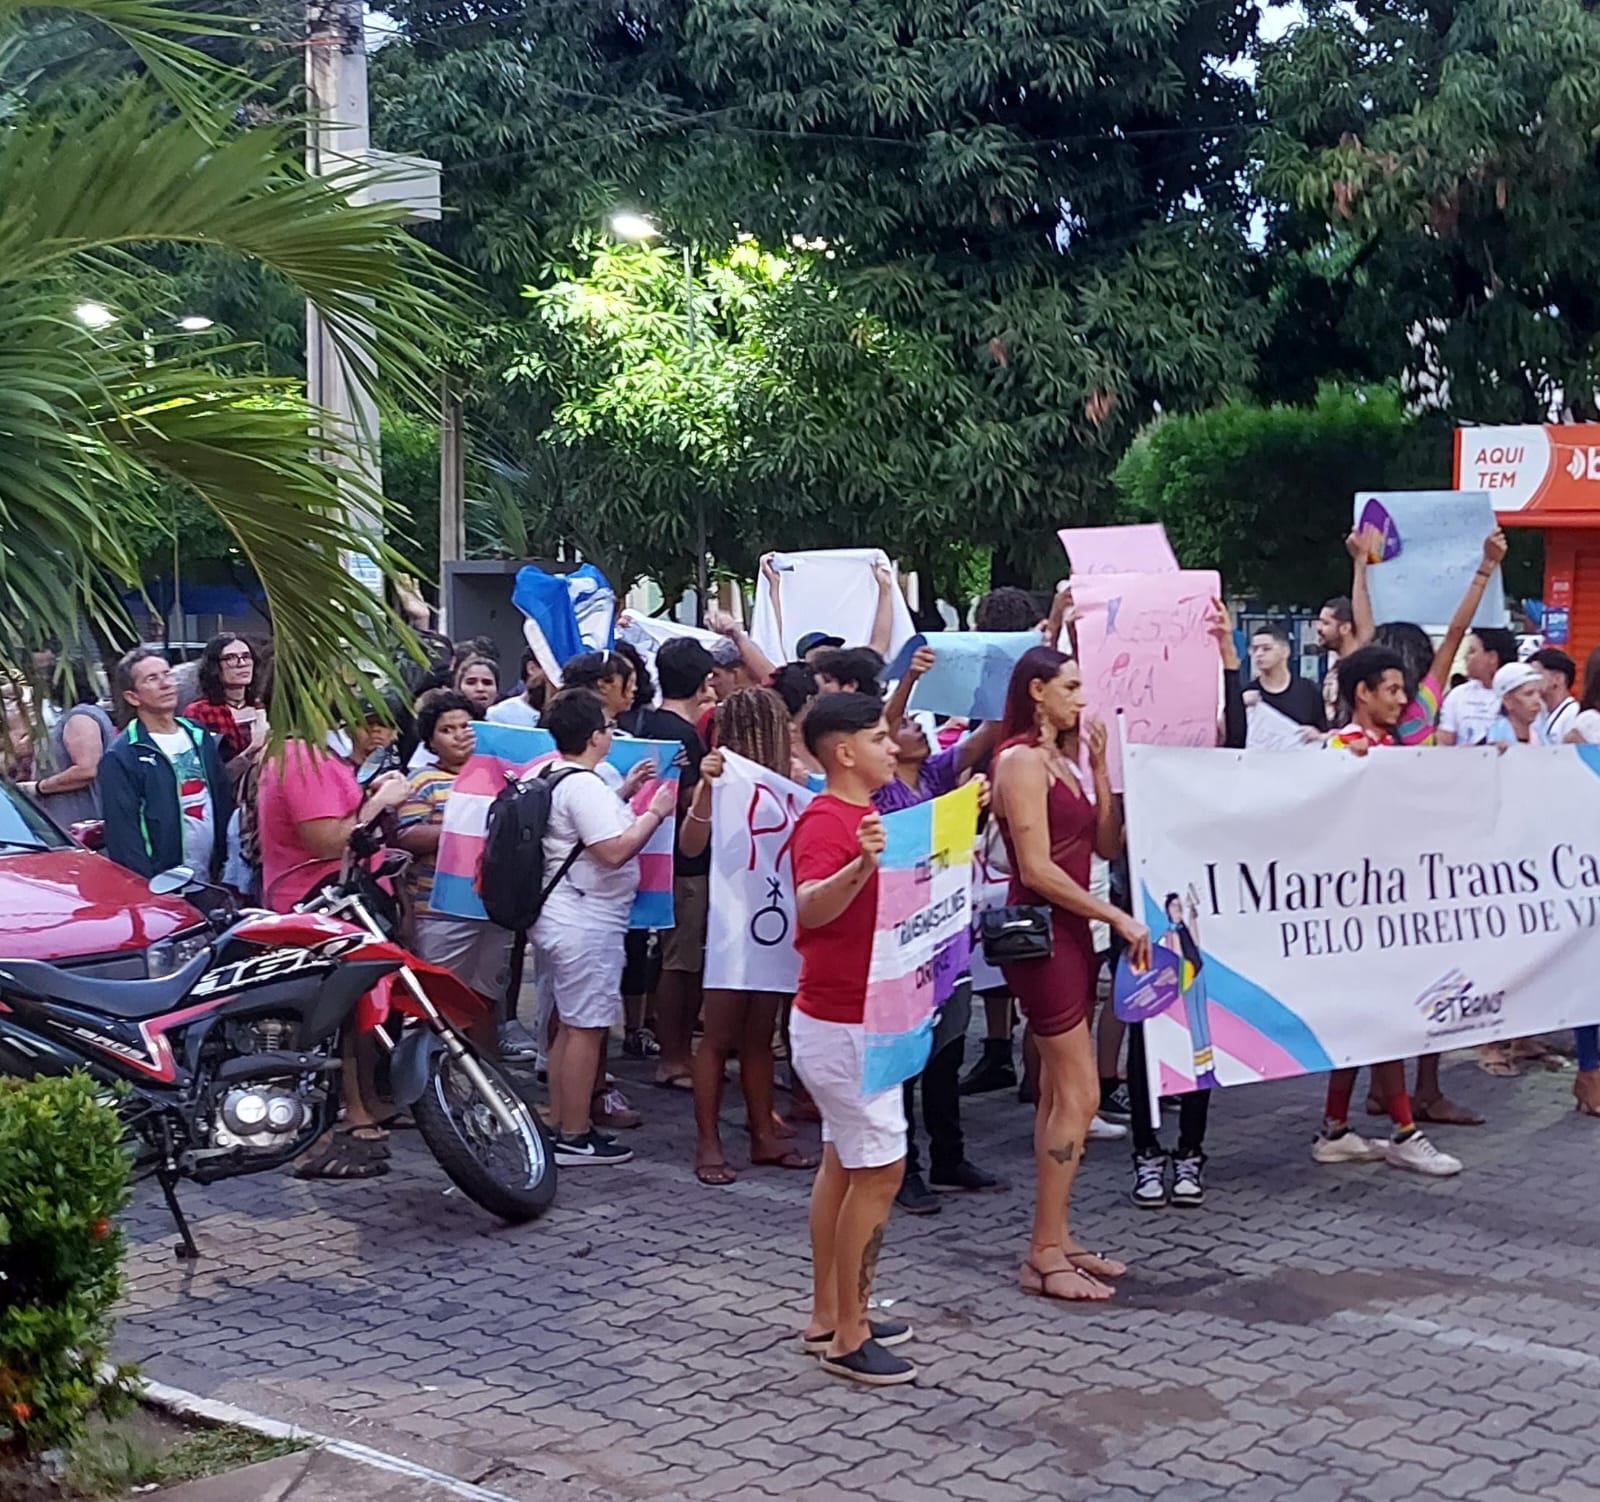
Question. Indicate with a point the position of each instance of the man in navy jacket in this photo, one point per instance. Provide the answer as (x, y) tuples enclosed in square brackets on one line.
[(163, 793)]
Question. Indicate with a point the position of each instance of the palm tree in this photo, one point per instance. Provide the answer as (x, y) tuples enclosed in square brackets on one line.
[(163, 149)]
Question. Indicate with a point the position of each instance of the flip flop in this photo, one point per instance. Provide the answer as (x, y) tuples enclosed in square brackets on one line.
[(1454, 1116), (1036, 1281), (683, 1083), (1103, 1273), (794, 1158), (715, 1175)]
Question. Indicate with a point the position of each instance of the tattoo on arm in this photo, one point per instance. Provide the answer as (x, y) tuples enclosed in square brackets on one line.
[(869, 1262), (1065, 1153)]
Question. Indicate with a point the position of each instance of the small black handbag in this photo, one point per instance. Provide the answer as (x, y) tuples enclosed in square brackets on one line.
[(1010, 935)]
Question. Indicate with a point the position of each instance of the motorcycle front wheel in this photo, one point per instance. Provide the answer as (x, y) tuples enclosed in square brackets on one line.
[(511, 1174)]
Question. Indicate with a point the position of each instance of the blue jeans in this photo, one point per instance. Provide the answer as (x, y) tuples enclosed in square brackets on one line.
[(1588, 1039)]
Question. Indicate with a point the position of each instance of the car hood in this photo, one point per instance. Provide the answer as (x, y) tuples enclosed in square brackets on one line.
[(67, 904)]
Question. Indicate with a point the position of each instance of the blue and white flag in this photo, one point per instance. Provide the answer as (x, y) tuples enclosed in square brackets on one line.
[(564, 614)]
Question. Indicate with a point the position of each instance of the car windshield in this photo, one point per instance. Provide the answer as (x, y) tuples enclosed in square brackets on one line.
[(23, 827)]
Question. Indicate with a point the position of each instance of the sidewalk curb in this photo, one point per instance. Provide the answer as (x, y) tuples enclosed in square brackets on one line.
[(176, 1401)]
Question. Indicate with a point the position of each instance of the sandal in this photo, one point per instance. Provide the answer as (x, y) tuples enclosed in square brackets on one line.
[(1444, 1112), (1087, 1290), (344, 1155), (680, 1082), (794, 1158), (1493, 1059), (715, 1175), (1086, 1262)]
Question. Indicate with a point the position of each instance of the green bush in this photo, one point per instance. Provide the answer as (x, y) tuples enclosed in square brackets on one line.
[(63, 1177)]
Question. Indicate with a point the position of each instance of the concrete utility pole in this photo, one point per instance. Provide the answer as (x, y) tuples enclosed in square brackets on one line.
[(340, 138), (452, 484)]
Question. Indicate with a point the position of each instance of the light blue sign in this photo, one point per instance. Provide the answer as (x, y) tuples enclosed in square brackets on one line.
[(1440, 545), (970, 674)]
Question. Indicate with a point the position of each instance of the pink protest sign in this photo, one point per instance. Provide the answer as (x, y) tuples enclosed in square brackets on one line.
[(1140, 549), (1146, 648)]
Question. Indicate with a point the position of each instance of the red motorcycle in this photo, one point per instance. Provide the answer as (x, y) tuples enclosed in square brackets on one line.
[(232, 1065)]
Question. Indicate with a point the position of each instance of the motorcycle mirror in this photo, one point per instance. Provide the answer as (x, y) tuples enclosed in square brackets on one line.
[(164, 883)]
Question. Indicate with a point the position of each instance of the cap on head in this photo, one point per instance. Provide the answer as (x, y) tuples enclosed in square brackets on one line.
[(1515, 675), (814, 639)]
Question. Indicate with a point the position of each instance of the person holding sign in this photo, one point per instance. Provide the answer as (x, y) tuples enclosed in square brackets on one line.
[(752, 723), (1053, 821), (1372, 681), (837, 842)]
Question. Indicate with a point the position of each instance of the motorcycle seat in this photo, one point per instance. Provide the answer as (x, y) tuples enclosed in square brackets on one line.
[(130, 1000)]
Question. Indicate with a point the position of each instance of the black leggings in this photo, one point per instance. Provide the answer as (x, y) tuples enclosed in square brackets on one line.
[(1193, 1108)]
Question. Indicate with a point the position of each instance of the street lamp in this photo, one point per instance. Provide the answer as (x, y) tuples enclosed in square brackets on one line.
[(94, 315), (627, 225), (195, 323)]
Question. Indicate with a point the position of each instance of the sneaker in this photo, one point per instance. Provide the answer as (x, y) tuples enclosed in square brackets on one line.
[(612, 1108), (571, 1152), (872, 1366), (965, 1178), (915, 1198), (1346, 1146), (993, 1071), (887, 1332), (1188, 1179), (517, 1044), (1150, 1181), (641, 1044), (1101, 1130), (1116, 1105), (1417, 1155)]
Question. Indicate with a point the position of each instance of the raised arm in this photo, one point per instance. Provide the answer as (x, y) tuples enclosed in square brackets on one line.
[(757, 663), (1358, 545), (977, 746), (1235, 725), (1494, 553), (883, 622), (769, 577), (895, 710), (1107, 806)]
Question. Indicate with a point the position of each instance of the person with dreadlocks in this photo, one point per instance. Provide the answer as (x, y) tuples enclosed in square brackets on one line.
[(752, 723)]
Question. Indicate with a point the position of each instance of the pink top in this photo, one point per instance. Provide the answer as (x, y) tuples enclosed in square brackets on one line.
[(305, 785)]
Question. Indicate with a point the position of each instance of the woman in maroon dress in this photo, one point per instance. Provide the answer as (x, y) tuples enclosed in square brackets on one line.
[(1053, 816)]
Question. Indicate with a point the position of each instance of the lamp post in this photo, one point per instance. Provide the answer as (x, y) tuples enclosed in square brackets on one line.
[(631, 226)]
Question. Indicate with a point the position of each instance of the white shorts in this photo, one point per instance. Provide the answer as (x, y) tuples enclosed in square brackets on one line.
[(477, 953), (867, 1131), (578, 968)]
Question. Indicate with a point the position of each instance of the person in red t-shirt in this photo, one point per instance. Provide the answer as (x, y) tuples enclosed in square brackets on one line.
[(1372, 681), (837, 842)]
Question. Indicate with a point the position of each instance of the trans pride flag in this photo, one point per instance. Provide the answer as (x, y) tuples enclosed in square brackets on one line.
[(509, 749), (923, 938)]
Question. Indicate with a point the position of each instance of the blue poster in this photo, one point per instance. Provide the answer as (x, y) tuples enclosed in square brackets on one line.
[(1436, 547), (970, 673)]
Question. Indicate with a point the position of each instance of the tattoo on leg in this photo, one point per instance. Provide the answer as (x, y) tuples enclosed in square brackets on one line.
[(1065, 1153), (869, 1263)]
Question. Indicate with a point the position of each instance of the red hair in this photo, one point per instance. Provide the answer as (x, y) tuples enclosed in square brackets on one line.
[(1036, 665)]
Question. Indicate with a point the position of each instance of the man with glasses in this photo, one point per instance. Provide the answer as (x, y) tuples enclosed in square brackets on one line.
[(163, 793)]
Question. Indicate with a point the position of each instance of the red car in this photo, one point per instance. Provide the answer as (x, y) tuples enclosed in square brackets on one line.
[(71, 907)]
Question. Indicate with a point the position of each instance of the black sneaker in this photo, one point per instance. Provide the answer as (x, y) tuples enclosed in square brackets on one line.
[(885, 1332), (592, 1147), (966, 1178), (1188, 1179), (1116, 1105), (993, 1071), (871, 1365), (915, 1198), (1150, 1181)]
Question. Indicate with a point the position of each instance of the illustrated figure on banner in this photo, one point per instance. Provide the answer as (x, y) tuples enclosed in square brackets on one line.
[(1182, 938)]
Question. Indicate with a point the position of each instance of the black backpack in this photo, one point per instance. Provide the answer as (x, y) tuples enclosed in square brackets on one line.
[(511, 877)]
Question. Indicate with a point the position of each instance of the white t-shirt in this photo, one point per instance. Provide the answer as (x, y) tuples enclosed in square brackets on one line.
[(1559, 721), (584, 809), (1469, 711), (514, 711), (1587, 725), (194, 798)]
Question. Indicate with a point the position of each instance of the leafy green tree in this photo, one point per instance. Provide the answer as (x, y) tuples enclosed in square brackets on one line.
[(1432, 170), (1043, 205), (1265, 492), (96, 425)]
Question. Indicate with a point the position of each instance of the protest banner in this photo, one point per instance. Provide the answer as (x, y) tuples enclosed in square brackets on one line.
[(1336, 910), (751, 926), (647, 634), (970, 672), (1139, 549), (1146, 648), (501, 750), (991, 885), (1433, 544), (834, 591), (923, 935)]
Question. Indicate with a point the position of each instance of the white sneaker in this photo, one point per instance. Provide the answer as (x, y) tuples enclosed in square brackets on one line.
[(1418, 1155), (1347, 1147), (1106, 1131)]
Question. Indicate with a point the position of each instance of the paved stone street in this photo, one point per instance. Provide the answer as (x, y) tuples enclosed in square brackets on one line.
[(1311, 1333)]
